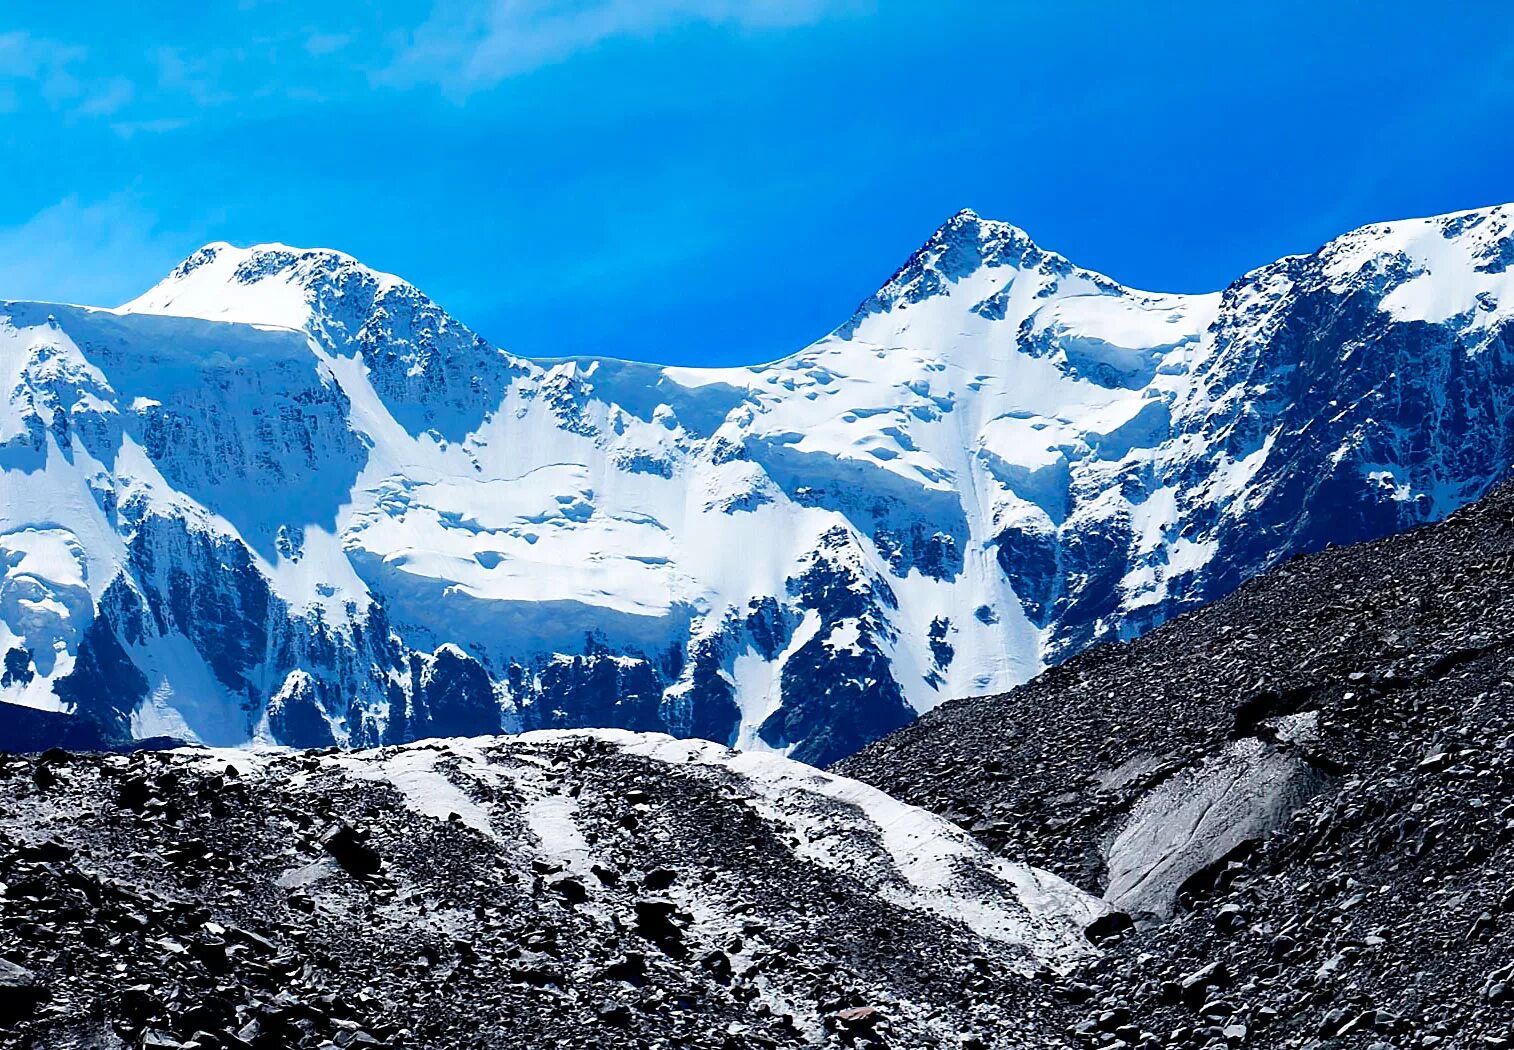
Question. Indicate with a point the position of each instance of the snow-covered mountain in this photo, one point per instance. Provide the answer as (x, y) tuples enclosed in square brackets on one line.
[(283, 496)]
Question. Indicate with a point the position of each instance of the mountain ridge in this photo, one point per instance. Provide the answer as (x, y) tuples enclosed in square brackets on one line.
[(1000, 459)]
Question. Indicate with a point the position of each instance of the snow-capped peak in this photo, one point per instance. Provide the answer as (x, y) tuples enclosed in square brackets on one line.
[(433, 372), (269, 284), (959, 247), (1442, 266), (985, 256), (1002, 458)]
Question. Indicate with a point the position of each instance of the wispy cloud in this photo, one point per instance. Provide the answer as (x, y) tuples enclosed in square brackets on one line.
[(32, 63), (130, 129), (98, 252), (195, 78), (106, 97), (466, 45), (25, 56), (317, 44), (57, 74)]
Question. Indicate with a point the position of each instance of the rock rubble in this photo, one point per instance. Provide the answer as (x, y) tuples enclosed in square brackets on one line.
[(1373, 906), (560, 890)]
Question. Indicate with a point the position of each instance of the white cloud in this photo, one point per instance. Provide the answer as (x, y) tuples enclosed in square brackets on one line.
[(22, 55), (106, 97), (130, 129), (96, 253), (194, 78), (56, 72), (47, 65), (318, 44), (466, 45)]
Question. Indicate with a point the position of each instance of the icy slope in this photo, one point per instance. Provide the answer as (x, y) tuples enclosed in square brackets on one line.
[(282, 496)]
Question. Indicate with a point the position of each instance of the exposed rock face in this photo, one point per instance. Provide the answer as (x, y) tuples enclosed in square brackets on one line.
[(555, 889), (1304, 794), (280, 464)]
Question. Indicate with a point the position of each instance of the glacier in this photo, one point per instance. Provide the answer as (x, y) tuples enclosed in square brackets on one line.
[(284, 498)]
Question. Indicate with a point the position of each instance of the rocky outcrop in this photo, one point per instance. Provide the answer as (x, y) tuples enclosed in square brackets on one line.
[(1200, 817)]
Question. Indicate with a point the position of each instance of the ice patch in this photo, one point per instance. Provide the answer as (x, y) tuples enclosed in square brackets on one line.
[(1198, 816), (938, 867), (427, 790)]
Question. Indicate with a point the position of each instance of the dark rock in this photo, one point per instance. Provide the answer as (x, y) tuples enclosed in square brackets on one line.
[(570, 889), (348, 849), (658, 880), (655, 921), (21, 992), (1108, 927), (858, 1018)]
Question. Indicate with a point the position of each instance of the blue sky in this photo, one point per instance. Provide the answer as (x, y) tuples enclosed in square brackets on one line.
[(719, 181)]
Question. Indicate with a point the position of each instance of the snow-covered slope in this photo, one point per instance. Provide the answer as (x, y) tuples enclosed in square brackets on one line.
[(282, 496)]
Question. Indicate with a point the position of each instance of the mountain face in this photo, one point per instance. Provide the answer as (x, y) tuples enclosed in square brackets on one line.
[(284, 497), (556, 889), (1299, 797)]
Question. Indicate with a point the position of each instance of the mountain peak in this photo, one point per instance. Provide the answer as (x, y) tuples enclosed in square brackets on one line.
[(1012, 459), (271, 283), (961, 247), (970, 215), (991, 234), (274, 255), (1439, 267)]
